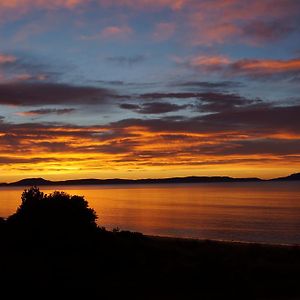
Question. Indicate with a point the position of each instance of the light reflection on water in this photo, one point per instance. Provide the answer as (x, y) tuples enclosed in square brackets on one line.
[(254, 212)]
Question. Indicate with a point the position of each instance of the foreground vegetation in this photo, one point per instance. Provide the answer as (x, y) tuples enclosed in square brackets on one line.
[(52, 245)]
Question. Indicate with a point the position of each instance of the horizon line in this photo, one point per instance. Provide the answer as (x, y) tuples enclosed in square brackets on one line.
[(149, 178)]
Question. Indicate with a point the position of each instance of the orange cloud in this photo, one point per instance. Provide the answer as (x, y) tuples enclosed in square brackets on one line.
[(210, 62), (265, 66), (246, 67)]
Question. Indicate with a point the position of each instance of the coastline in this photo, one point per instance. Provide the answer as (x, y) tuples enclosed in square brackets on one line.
[(221, 241)]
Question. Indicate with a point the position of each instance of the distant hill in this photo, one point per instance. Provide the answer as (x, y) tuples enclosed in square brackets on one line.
[(31, 182), (292, 177), (190, 179)]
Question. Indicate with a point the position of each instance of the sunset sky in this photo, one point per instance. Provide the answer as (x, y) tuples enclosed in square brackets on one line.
[(149, 88)]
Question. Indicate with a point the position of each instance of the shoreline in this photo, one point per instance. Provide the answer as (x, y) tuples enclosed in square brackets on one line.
[(221, 241)]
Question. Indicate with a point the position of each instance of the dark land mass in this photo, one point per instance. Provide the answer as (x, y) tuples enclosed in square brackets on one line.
[(176, 180), (126, 265), (292, 177)]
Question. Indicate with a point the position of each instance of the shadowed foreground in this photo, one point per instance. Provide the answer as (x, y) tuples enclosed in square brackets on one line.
[(40, 257)]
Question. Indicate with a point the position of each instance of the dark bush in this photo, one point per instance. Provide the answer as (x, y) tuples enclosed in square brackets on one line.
[(2, 224), (58, 213)]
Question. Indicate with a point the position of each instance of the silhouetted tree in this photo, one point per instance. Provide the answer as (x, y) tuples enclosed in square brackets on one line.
[(57, 214)]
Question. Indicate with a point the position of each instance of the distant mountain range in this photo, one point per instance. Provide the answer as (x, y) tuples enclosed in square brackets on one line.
[(191, 179)]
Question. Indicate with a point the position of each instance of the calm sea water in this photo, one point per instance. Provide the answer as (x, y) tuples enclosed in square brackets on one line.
[(253, 212)]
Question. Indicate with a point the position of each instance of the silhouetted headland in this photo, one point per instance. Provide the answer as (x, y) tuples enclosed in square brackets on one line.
[(175, 180), (52, 245), (292, 177)]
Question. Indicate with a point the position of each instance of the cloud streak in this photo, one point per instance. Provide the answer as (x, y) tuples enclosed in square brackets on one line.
[(46, 111), (35, 94), (253, 68), (154, 107)]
